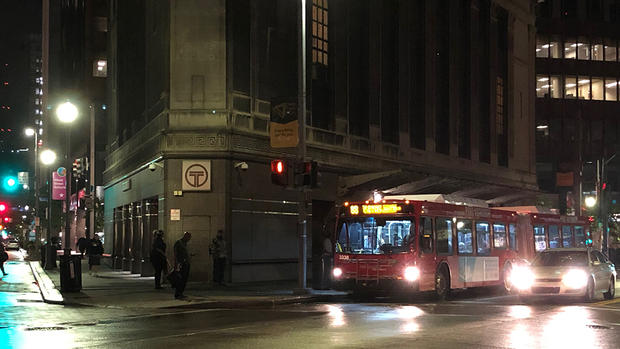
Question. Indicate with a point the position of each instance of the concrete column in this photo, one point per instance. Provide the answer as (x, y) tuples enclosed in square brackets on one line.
[(136, 241), (126, 238)]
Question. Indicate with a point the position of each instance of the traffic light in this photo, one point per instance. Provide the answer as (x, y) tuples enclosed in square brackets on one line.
[(78, 167), (309, 171), (3, 207), (588, 238), (10, 183), (279, 172)]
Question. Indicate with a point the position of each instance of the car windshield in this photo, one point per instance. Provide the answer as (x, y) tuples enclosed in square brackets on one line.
[(369, 235), (561, 259)]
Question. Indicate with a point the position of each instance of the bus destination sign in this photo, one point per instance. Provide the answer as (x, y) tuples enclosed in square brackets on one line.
[(375, 209)]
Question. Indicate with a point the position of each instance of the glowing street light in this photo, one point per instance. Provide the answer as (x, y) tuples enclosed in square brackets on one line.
[(590, 201), (67, 112), (47, 157)]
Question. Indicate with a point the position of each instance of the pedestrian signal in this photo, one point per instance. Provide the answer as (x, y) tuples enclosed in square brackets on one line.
[(279, 173)]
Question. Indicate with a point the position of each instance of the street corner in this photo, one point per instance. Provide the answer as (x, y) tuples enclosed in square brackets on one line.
[(49, 292)]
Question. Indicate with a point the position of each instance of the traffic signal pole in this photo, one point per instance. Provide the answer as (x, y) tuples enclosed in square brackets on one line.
[(302, 202), (91, 169)]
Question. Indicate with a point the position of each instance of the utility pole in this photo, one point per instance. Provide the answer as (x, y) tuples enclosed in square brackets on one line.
[(301, 146)]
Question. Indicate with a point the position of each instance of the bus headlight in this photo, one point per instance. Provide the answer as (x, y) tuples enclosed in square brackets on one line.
[(575, 279), (337, 272), (411, 273), (522, 277)]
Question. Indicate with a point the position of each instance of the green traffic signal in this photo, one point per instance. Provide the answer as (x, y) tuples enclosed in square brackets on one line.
[(10, 183)]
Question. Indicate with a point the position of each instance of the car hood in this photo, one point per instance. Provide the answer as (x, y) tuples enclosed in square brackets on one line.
[(554, 272)]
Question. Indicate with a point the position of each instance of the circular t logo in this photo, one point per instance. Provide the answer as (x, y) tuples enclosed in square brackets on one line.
[(196, 175)]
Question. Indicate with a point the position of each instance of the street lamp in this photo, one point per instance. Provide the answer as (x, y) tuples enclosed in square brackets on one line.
[(30, 132), (67, 112), (47, 158), (590, 201)]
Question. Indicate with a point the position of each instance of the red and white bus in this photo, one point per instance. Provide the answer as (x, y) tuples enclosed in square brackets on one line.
[(404, 244)]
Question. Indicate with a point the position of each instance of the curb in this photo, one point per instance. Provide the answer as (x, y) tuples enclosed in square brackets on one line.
[(252, 303), (49, 293)]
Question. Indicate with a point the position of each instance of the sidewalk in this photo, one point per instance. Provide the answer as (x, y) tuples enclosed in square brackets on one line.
[(116, 289)]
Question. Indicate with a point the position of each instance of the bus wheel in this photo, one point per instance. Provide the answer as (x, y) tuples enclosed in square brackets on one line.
[(442, 284), (506, 278)]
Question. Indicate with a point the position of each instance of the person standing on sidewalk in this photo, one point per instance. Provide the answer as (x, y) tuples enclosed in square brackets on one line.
[(94, 251), (158, 257), (3, 258), (181, 261), (217, 250), (82, 245)]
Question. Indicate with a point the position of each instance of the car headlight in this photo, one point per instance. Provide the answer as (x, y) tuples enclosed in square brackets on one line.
[(411, 273), (337, 272), (522, 277), (575, 278)]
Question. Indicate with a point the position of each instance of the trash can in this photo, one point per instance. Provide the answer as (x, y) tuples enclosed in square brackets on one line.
[(70, 272)]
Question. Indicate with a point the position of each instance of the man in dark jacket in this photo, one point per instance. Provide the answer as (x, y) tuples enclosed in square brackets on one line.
[(181, 261), (217, 249), (82, 245), (94, 251), (158, 257)]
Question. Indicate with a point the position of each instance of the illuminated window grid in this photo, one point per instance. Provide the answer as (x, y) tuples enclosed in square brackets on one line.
[(499, 111), (319, 32)]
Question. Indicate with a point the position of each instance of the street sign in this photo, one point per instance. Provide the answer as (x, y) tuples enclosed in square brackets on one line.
[(284, 126), (22, 177), (59, 185), (175, 214)]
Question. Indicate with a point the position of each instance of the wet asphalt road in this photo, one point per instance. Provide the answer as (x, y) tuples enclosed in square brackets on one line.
[(476, 319)]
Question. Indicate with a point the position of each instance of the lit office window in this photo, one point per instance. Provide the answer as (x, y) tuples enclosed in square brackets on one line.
[(542, 86), (598, 89), (555, 48), (583, 87), (570, 87), (319, 31), (100, 68), (611, 90), (542, 47), (597, 50), (556, 86), (570, 49), (611, 54), (583, 49)]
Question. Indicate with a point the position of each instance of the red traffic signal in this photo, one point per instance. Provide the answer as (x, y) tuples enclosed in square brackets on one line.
[(279, 173), (7, 219), (3, 207)]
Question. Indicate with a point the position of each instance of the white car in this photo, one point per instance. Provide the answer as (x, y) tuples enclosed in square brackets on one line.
[(12, 245), (566, 272)]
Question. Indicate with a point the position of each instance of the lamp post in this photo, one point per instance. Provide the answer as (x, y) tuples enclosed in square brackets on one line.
[(48, 157), (70, 268), (30, 132), (67, 113)]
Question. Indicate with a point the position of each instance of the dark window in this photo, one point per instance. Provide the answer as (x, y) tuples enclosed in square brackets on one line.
[(442, 77), (484, 62), (465, 236), (443, 226), (580, 237), (417, 81), (499, 235), (512, 231), (426, 235)]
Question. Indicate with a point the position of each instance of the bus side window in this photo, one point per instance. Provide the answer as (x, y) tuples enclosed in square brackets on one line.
[(580, 237), (483, 236), (499, 235), (540, 239), (567, 236), (512, 230), (554, 237), (426, 235), (464, 236), (443, 227)]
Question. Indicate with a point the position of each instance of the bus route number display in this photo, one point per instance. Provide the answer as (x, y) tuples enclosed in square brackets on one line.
[(375, 209)]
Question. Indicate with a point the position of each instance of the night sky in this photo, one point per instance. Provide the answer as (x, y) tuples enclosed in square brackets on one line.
[(18, 19)]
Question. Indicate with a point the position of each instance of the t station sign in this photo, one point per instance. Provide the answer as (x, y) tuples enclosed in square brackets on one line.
[(196, 175)]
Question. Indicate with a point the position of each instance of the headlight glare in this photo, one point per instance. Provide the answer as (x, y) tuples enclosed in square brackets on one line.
[(411, 273), (337, 272), (575, 278), (522, 277)]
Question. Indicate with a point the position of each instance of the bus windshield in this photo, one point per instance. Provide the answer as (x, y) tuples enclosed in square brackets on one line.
[(370, 235)]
